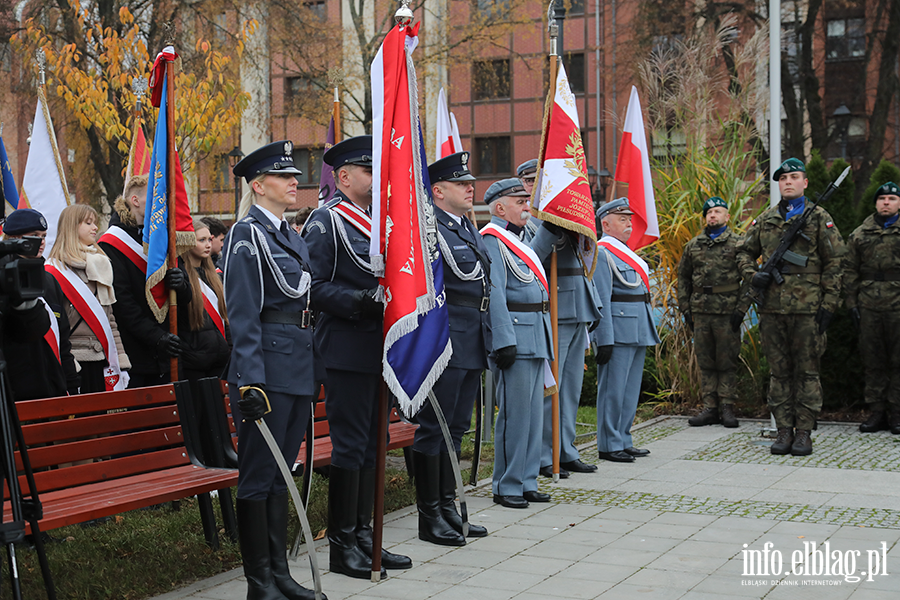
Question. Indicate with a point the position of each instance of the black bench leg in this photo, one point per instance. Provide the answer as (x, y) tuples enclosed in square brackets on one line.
[(208, 518), (228, 517)]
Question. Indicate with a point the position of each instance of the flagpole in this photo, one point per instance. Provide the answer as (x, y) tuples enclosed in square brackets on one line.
[(170, 193)]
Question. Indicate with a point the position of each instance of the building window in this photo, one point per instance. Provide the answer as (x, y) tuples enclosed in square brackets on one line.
[(493, 156), (490, 79), (318, 8), (576, 7), (493, 9), (220, 178), (295, 88), (846, 39), (574, 64), (668, 145), (308, 160)]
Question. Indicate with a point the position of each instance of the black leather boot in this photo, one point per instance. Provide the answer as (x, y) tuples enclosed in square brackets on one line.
[(254, 540), (364, 505), (783, 442), (877, 421), (448, 495), (895, 422), (728, 418), (277, 515), (345, 556), (709, 416), (802, 445), (432, 526)]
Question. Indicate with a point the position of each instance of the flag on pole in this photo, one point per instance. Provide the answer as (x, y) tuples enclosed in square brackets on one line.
[(326, 179), (156, 234), (447, 140), (138, 154), (404, 233), (44, 183), (562, 190), (8, 191), (633, 168)]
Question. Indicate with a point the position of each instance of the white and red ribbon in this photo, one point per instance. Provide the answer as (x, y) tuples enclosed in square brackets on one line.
[(211, 304), (157, 73), (119, 239), (355, 216), (626, 254), (52, 335), (519, 249)]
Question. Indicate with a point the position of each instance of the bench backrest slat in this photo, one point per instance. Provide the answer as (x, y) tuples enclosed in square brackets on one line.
[(81, 427)]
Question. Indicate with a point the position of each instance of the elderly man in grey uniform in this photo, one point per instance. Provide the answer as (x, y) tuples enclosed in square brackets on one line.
[(578, 308), (622, 337), (522, 343)]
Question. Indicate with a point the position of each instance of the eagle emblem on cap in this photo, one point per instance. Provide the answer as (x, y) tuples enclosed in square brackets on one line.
[(288, 148), (464, 158)]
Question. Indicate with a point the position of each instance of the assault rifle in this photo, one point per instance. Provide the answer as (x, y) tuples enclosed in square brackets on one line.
[(783, 253)]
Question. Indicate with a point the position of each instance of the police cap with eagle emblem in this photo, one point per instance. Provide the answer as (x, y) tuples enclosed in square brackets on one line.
[(276, 158), (451, 168), (352, 151)]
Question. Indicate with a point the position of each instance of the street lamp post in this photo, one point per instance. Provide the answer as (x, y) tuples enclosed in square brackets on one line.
[(592, 181), (234, 157)]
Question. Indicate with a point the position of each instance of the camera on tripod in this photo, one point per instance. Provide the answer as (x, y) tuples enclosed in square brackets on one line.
[(21, 279)]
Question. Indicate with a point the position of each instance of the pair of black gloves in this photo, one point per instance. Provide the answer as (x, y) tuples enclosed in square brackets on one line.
[(170, 343)]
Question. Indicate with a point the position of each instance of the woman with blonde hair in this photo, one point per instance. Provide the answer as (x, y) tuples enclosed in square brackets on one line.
[(202, 321), (85, 275)]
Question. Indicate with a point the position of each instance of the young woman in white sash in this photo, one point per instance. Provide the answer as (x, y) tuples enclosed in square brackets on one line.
[(202, 321), (77, 257)]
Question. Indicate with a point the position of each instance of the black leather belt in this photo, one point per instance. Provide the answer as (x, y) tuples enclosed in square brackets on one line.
[(630, 298), (479, 302), (570, 272), (880, 275), (721, 289), (301, 319), (798, 270), (529, 306)]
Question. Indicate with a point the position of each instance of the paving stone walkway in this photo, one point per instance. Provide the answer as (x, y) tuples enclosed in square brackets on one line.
[(710, 514)]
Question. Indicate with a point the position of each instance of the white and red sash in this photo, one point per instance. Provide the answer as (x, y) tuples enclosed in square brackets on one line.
[(211, 304), (119, 239), (626, 254), (520, 249), (52, 335), (87, 305), (356, 216)]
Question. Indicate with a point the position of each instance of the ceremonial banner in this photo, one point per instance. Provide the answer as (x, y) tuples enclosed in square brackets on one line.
[(633, 168), (404, 233), (138, 154), (8, 191), (326, 178), (562, 193), (44, 183), (156, 215), (447, 140)]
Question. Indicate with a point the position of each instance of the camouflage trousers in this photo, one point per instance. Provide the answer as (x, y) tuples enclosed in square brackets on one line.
[(793, 347), (879, 347), (717, 348)]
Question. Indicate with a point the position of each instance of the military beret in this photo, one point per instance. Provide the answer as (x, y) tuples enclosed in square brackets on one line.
[(451, 168), (713, 202), (24, 220), (789, 166), (619, 206), (352, 151), (505, 187), (529, 167), (889, 188), (275, 158)]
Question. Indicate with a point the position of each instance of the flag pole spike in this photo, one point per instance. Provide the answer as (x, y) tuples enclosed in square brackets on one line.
[(168, 33), (41, 58), (139, 87), (404, 14)]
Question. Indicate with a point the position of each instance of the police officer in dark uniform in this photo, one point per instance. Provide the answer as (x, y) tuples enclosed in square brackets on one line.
[(349, 335), (267, 283), (467, 284)]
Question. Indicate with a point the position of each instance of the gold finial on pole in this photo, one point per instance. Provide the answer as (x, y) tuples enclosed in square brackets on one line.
[(139, 87), (404, 14), (552, 27), (336, 78), (41, 58)]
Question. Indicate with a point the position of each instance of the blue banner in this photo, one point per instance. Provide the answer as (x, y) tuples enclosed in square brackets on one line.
[(8, 191), (156, 232)]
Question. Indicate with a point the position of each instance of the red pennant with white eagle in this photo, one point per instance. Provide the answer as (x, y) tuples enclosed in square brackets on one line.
[(562, 193)]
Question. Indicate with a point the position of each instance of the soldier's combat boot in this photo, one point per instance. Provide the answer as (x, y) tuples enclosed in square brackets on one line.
[(783, 442), (253, 531), (345, 556), (448, 497), (802, 445), (895, 422), (365, 503), (432, 526), (709, 416), (277, 515), (728, 418), (877, 421)]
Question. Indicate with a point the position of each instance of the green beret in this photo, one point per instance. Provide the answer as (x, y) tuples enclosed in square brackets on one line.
[(789, 166), (712, 202), (889, 188)]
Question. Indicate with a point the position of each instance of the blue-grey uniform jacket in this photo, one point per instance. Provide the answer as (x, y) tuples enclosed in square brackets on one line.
[(529, 332), (624, 323), (279, 356), (577, 296), (346, 341), (470, 327)]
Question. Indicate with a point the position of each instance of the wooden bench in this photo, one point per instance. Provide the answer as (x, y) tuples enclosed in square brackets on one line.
[(97, 455)]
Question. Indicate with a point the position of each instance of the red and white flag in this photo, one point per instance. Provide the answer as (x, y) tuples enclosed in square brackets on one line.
[(447, 140), (562, 193), (633, 168), (138, 154)]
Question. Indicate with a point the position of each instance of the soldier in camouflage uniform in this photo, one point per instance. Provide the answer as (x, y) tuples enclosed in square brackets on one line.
[(872, 284), (711, 300), (795, 314)]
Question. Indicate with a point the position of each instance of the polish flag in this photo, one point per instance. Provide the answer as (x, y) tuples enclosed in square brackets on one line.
[(447, 140), (633, 168)]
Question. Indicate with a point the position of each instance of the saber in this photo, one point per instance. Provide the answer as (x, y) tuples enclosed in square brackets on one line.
[(307, 472), (298, 503), (479, 424), (463, 510)]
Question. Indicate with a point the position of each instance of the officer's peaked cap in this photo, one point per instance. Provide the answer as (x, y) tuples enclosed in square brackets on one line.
[(619, 206), (352, 151), (271, 159), (529, 167), (451, 168)]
